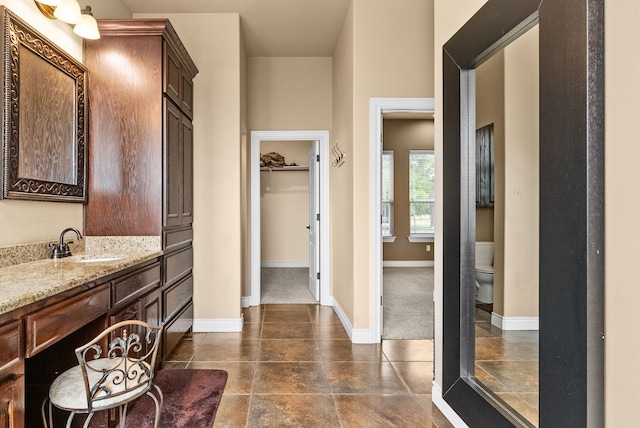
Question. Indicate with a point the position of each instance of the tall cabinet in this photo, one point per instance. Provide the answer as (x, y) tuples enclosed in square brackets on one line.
[(140, 179)]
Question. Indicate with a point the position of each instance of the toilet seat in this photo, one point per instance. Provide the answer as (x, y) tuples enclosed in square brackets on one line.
[(484, 268)]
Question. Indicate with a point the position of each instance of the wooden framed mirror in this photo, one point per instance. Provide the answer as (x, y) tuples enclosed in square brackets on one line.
[(571, 211), (44, 140)]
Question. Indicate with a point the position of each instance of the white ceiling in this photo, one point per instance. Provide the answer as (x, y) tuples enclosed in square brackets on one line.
[(270, 27)]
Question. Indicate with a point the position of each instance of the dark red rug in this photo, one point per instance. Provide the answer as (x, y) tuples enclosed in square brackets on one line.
[(191, 399)]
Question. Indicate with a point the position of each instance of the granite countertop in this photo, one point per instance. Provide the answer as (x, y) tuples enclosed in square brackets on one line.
[(26, 283)]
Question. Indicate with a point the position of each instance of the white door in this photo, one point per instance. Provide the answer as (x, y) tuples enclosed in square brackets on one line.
[(314, 221)]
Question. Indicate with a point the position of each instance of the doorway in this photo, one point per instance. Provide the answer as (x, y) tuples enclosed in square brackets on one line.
[(321, 186), (378, 107)]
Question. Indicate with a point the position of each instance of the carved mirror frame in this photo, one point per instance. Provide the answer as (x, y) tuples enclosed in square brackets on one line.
[(571, 258), (44, 150)]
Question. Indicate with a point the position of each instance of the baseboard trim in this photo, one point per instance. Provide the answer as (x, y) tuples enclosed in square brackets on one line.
[(246, 301), (407, 263), (284, 264), (218, 325), (515, 323), (443, 406), (357, 335)]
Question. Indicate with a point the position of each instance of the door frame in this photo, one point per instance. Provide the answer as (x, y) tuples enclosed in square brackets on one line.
[(322, 136), (378, 106)]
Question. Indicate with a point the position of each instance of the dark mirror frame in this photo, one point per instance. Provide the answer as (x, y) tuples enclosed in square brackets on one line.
[(571, 258), (17, 36)]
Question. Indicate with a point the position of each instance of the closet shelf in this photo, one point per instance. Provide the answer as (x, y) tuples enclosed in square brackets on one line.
[(285, 168)]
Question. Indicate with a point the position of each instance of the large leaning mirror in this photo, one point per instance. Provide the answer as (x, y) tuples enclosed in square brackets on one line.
[(509, 359), (43, 147)]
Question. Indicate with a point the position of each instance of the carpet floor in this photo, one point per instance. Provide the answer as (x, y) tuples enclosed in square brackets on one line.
[(285, 285), (191, 399), (408, 303), (408, 297)]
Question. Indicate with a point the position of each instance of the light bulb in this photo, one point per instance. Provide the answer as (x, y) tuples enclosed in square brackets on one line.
[(87, 27), (68, 11)]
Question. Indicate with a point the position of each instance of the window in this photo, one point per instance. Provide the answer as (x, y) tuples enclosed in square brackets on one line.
[(387, 195), (421, 195)]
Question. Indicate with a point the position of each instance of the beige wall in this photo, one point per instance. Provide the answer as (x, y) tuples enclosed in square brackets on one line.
[(289, 94), (213, 41), (113, 9), (490, 99), (384, 65), (341, 178), (401, 136), (507, 96), (27, 221), (521, 178), (622, 210), (245, 172), (284, 206)]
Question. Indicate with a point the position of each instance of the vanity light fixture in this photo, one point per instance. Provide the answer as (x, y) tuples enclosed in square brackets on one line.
[(69, 11), (49, 2), (87, 27)]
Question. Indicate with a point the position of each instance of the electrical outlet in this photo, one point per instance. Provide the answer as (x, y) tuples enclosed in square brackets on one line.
[(428, 247)]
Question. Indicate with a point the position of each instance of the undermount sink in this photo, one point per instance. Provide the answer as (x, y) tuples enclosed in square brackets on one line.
[(95, 258)]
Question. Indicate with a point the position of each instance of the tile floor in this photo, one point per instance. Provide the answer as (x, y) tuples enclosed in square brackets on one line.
[(294, 366), (507, 363)]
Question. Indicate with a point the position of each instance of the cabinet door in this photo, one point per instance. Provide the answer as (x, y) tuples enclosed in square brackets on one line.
[(187, 94), (187, 171), (11, 403), (174, 166), (178, 167), (172, 74), (151, 309)]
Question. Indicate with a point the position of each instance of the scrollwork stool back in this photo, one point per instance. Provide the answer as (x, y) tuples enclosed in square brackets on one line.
[(109, 378)]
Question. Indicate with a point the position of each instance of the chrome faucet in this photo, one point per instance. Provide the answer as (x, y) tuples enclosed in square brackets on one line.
[(61, 249)]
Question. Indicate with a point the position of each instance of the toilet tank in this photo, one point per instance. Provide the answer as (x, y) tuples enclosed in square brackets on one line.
[(484, 253)]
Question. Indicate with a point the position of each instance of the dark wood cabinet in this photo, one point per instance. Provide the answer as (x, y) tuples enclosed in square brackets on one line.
[(140, 89), (141, 135)]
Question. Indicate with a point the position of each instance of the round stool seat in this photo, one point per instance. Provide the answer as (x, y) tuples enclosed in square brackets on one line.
[(68, 390)]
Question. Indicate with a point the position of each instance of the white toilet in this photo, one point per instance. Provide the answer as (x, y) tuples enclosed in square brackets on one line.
[(484, 272)]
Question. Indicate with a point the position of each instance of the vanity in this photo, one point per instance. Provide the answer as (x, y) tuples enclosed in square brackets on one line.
[(137, 166), (49, 307)]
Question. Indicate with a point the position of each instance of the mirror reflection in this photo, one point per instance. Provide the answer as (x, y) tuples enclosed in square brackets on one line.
[(507, 219)]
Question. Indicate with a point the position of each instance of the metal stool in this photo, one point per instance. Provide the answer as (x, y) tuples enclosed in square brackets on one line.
[(113, 380)]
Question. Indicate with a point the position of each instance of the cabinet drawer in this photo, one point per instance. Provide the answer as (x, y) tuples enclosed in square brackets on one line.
[(176, 296), (178, 327), (177, 265), (9, 344), (136, 284), (175, 238), (49, 325)]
